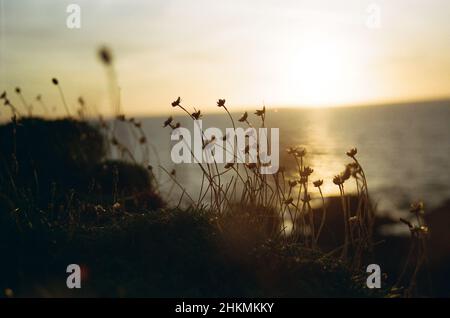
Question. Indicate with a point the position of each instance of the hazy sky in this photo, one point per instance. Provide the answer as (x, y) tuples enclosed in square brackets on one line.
[(282, 53)]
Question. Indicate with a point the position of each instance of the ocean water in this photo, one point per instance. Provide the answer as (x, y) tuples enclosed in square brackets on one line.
[(404, 149)]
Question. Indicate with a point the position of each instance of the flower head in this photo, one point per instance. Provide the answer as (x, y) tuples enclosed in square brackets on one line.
[(3, 95), (221, 103), (105, 55), (168, 121), (292, 183), (261, 112), (318, 183), (176, 102), (196, 115), (352, 152), (55, 81), (337, 180), (243, 117), (417, 207)]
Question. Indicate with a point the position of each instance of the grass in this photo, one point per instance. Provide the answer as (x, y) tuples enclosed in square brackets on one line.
[(246, 234)]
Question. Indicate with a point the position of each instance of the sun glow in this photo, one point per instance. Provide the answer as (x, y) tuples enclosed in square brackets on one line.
[(320, 71)]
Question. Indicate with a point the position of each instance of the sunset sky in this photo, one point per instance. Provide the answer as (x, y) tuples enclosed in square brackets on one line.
[(281, 53)]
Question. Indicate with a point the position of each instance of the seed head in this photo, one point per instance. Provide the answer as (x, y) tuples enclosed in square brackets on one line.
[(55, 81)]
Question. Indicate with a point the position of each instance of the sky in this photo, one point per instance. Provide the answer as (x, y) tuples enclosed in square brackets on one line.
[(285, 53)]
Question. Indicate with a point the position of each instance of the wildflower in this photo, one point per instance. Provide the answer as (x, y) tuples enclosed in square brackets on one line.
[(168, 121), (221, 103), (105, 55), (306, 198), (3, 95), (243, 117), (307, 171), (288, 201), (196, 115), (229, 165), (318, 183), (300, 152), (176, 102), (352, 152), (261, 112), (55, 81), (353, 219), (303, 180), (337, 180), (346, 174), (417, 207), (116, 206), (292, 183), (18, 90)]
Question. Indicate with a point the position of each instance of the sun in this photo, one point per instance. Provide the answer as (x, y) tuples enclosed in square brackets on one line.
[(317, 71)]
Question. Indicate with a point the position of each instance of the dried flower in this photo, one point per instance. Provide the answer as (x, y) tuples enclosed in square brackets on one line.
[(105, 55), (142, 140), (303, 180), (306, 171), (18, 90), (417, 207), (176, 102), (221, 103), (337, 180), (3, 96), (261, 112), (121, 117), (168, 121), (243, 117), (318, 183), (229, 165), (81, 101), (55, 81), (306, 198), (300, 152), (292, 183), (288, 201), (196, 115), (352, 152), (251, 165)]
